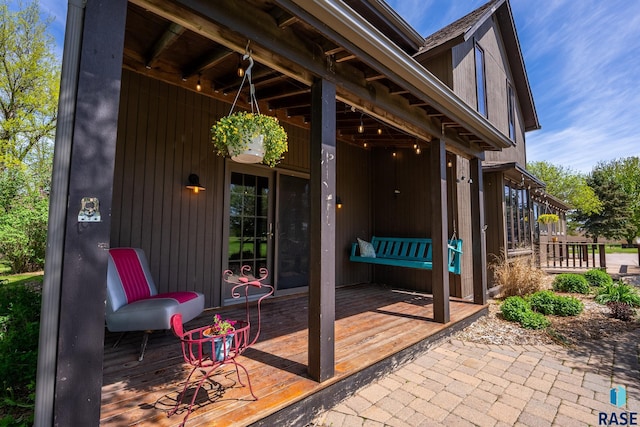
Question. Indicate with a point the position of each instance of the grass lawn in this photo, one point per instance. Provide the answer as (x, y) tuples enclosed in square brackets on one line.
[(18, 278), (618, 249)]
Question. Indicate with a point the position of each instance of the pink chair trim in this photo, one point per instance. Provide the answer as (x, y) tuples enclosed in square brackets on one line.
[(129, 268), (181, 297)]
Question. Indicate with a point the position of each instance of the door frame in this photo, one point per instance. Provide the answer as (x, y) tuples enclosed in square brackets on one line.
[(256, 170)]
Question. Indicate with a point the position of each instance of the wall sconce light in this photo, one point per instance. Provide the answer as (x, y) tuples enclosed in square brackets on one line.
[(365, 144), (193, 183), (338, 202), (198, 85), (394, 154), (379, 131), (361, 125), (449, 164)]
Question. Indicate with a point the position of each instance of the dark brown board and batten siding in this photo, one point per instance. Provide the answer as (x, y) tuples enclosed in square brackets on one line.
[(163, 136)]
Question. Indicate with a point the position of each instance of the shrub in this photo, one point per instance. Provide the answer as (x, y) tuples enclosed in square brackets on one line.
[(517, 309), (567, 306), (547, 302), (517, 276), (571, 282), (19, 329), (514, 307), (598, 278), (533, 320), (621, 310), (618, 292), (543, 302), (23, 235)]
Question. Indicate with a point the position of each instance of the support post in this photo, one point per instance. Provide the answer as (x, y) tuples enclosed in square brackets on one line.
[(323, 230), (440, 272), (478, 247), (77, 281)]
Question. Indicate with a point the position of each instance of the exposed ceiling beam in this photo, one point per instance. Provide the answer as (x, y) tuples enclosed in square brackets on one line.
[(208, 61), (228, 23), (164, 41)]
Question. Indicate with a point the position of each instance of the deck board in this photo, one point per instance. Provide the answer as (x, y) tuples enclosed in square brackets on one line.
[(373, 323)]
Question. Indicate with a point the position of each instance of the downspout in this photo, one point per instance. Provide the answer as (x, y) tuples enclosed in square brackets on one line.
[(50, 311)]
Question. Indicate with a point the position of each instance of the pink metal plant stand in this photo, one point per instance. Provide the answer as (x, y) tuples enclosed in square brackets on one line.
[(198, 349)]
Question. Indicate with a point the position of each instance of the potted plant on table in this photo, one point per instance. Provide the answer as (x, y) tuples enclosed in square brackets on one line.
[(219, 330), (250, 138)]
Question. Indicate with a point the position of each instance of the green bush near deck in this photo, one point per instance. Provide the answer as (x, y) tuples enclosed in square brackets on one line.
[(618, 292), (547, 302), (597, 278), (517, 309), (571, 282)]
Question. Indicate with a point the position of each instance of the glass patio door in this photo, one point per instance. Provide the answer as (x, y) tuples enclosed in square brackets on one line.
[(249, 224)]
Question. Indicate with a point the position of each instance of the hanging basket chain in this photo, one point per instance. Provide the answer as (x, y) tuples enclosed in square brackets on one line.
[(253, 102)]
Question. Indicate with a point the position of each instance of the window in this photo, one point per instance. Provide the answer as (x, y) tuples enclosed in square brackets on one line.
[(511, 108), (481, 85), (517, 214)]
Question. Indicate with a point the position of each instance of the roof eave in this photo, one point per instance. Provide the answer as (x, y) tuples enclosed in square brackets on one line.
[(380, 53)]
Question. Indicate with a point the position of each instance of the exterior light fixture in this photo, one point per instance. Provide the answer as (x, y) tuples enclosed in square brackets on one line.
[(361, 126), (198, 85), (338, 202), (193, 183), (379, 131)]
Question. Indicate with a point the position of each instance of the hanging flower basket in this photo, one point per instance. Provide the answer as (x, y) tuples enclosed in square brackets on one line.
[(548, 218), (238, 135)]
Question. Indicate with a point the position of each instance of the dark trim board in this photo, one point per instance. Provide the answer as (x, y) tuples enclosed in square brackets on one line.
[(304, 411)]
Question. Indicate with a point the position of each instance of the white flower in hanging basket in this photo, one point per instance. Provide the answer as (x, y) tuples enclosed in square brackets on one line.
[(238, 136)]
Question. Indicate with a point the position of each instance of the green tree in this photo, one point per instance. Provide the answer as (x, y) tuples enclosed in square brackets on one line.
[(569, 186), (29, 83), (29, 86), (614, 220), (626, 172)]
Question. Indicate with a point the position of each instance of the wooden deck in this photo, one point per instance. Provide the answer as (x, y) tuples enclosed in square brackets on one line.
[(377, 328)]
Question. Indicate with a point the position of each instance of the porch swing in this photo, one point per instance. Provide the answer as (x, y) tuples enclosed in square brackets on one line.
[(409, 252)]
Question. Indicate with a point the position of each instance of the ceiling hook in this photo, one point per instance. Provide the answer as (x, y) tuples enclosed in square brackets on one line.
[(247, 56)]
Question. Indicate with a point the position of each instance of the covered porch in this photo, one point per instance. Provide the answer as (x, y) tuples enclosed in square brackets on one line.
[(150, 79), (377, 328)]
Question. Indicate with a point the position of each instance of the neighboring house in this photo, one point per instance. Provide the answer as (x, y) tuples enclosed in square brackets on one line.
[(479, 58), (368, 125)]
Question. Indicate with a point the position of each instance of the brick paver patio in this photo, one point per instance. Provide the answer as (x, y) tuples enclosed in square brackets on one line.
[(463, 384)]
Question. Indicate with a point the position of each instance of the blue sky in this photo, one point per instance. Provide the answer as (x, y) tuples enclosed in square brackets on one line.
[(583, 66), (584, 70)]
